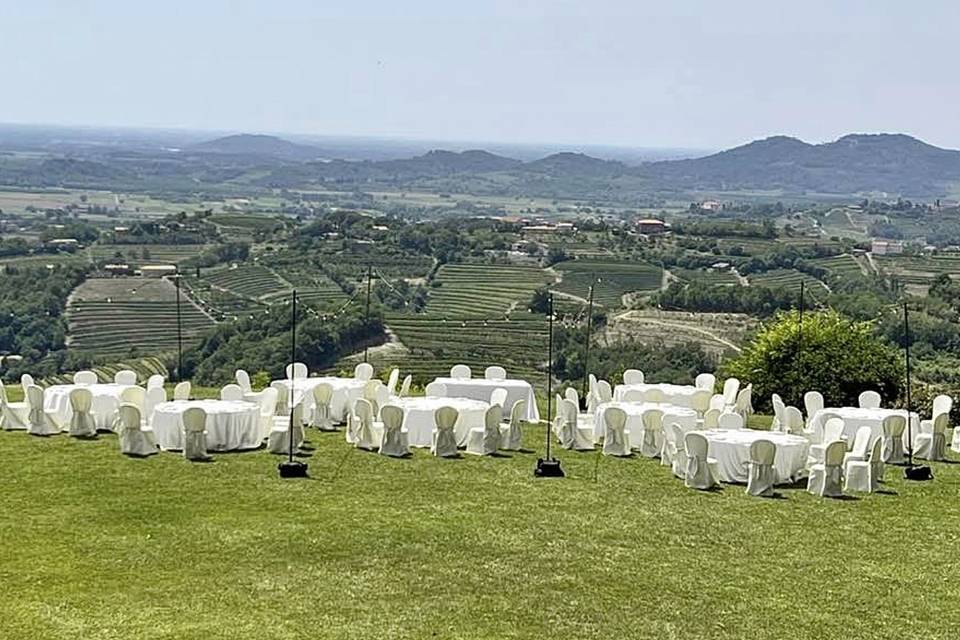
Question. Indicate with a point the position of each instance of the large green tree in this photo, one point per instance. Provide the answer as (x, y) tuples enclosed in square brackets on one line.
[(832, 354)]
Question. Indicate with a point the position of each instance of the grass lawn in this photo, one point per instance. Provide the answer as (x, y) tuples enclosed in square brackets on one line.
[(100, 546)]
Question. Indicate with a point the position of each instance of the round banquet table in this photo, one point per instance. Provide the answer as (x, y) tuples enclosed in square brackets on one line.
[(231, 424), (418, 417), (686, 418), (481, 389), (731, 449), (346, 391), (676, 394), (106, 399), (855, 417)]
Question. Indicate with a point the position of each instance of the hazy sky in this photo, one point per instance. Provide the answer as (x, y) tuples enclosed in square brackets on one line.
[(704, 74)]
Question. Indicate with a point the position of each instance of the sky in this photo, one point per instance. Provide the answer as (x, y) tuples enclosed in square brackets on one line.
[(704, 74)]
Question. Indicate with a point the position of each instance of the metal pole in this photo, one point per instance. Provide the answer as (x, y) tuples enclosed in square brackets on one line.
[(549, 376), (179, 336), (906, 342), (293, 359), (800, 344), (366, 321), (586, 351)]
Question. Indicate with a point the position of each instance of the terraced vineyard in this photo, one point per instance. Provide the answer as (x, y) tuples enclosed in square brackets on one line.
[(616, 278), (919, 270), (842, 266), (124, 317), (787, 279), (138, 255), (250, 281), (705, 276), (483, 290)]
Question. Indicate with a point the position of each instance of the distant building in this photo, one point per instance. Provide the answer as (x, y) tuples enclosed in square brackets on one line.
[(886, 247), (651, 226), (711, 205), (64, 242), (158, 270), (118, 269)]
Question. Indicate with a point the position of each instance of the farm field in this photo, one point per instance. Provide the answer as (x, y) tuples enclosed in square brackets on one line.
[(787, 279), (483, 290), (841, 266), (717, 333), (122, 317), (465, 548), (706, 276), (919, 270), (616, 278), (137, 255), (247, 280)]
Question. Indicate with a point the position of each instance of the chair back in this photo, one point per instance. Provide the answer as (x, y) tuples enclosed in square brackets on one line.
[(700, 400), (182, 391), (591, 383), (652, 420), (125, 376), (499, 397), (445, 417), (435, 390), (655, 396), (572, 395), (370, 389), (268, 401), (696, 445), (243, 379), (869, 400), (363, 410), (711, 419), (834, 453), (405, 387), (673, 434), (3, 394), (85, 377), (296, 371), (460, 372), (194, 420), (81, 400), (392, 380), (615, 419), (731, 387), (495, 373), (942, 404), (779, 411), (794, 420), (156, 380), (363, 371), (833, 429), (744, 402), (604, 392), (717, 402), (940, 423), (130, 418), (323, 394), (25, 381), (812, 402), (392, 417), (730, 421), (518, 412), (154, 396), (706, 381), (876, 451), (894, 426), (231, 392), (633, 376), (763, 452), (634, 395), (136, 396), (861, 442), (493, 417)]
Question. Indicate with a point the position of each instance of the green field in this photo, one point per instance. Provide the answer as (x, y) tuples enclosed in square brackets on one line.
[(919, 269), (247, 280), (842, 266), (100, 546), (119, 317), (706, 276), (137, 255), (483, 290), (787, 279), (613, 279)]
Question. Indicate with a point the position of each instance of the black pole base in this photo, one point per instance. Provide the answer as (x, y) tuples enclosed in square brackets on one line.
[(918, 473), (292, 469), (548, 469)]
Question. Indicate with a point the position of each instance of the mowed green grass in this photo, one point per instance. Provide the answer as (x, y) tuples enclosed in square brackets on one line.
[(100, 546)]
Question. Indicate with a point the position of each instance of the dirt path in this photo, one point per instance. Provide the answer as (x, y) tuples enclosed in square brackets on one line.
[(873, 265), (710, 334), (742, 279)]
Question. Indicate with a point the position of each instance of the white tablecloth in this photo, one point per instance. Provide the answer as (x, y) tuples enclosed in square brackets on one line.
[(106, 399), (686, 418), (731, 449), (676, 394), (418, 417), (481, 388), (855, 417), (231, 424), (346, 391)]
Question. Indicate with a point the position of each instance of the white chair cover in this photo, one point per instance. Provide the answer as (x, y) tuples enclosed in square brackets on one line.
[(616, 437), (182, 391), (731, 387), (394, 442), (571, 435), (893, 428), (652, 442), (711, 419), (933, 446), (794, 421), (267, 400), (25, 381), (283, 397), (486, 440), (511, 434), (367, 436), (85, 377), (495, 373), (699, 474), (604, 391), (499, 397), (82, 424), (730, 421), (279, 440), (154, 381), (195, 434), (155, 396), (869, 400), (15, 416), (135, 396), (125, 376), (744, 403), (39, 423), (700, 401), (392, 381), (435, 390), (133, 440), (363, 371), (673, 435), (321, 417), (634, 395), (460, 372), (231, 392), (296, 371), (243, 380), (706, 381), (861, 442), (832, 431), (571, 394), (762, 475), (405, 387), (654, 395), (717, 402), (633, 376), (812, 402), (865, 475), (444, 441), (826, 478)]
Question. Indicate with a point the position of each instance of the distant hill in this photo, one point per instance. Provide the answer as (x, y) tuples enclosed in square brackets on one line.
[(246, 144), (440, 162), (856, 163), (575, 164)]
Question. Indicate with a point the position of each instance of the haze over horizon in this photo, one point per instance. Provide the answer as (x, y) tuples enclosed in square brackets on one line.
[(695, 74)]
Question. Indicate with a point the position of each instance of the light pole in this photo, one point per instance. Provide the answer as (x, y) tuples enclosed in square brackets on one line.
[(547, 467), (291, 468)]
